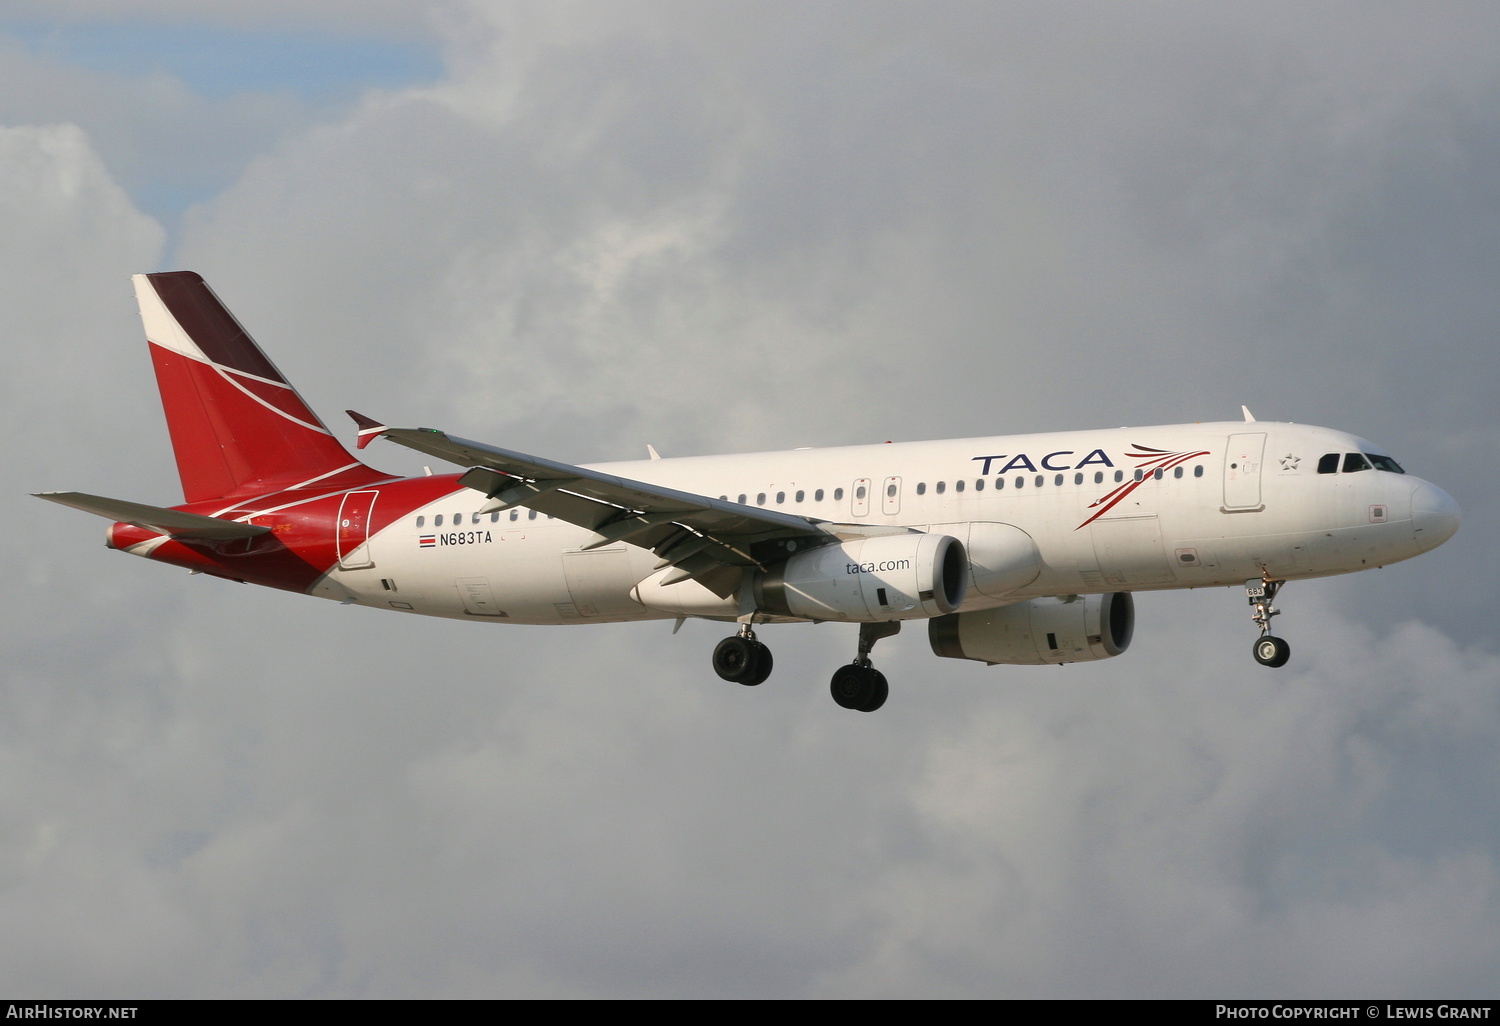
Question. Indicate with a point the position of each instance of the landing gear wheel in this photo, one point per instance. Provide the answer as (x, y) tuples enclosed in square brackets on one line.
[(734, 659), (1272, 651), (763, 664), (862, 688), (742, 660)]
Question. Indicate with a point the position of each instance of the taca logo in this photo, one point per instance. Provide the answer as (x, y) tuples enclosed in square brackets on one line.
[(1149, 463), (1051, 461)]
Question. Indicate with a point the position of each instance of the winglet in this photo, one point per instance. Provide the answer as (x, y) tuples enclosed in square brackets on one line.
[(369, 430), (1249, 417)]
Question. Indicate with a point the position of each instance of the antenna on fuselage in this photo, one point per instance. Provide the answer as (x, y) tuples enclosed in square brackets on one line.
[(1249, 417)]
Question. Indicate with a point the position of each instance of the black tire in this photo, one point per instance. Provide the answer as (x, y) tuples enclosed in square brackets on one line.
[(862, 688), (763, 664), (1271, 651), (735, 659), (850, 686), (879, 692)]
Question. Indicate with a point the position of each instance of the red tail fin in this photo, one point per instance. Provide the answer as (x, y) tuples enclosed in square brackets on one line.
[(238, 427)]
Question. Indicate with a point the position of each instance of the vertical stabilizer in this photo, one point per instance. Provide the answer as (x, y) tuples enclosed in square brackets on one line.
[(238, 427)]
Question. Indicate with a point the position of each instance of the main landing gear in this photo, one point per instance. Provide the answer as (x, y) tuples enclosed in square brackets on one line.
[(742, 659), (1269, 650), (859, 685)]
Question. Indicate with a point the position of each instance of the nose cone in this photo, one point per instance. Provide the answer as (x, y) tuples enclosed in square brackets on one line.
[(1434, 516)]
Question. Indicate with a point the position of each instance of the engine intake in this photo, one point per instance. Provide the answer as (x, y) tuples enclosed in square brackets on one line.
[(1073, 629), (890, 577)]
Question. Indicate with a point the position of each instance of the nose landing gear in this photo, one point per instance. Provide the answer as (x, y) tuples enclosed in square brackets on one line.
[(1269, 650)]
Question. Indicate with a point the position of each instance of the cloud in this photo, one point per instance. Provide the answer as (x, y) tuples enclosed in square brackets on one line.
[(743, 227)]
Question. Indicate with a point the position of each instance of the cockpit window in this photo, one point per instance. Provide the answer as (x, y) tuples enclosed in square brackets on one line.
[(1329, 464), (1385, 463), (1355, 461)]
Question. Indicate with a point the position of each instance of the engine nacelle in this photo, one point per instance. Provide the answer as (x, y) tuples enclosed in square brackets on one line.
[(890, 577), (1074, 629)]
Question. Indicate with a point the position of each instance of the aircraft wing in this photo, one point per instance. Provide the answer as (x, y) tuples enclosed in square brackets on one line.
[(154, 518), (711, 540)]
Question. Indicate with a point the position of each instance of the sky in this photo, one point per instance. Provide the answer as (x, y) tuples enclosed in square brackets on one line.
[(576, 229)]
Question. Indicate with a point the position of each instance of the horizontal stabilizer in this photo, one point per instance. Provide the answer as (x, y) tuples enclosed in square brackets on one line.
[(154, 518)]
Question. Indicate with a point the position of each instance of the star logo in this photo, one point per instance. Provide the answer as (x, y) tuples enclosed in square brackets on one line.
[(1289, 462)]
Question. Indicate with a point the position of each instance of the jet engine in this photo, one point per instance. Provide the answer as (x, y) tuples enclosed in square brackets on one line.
[(889, 577), (1071, 629)]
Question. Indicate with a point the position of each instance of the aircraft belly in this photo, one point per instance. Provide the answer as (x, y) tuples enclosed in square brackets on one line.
[(599, 581), (532, 575)]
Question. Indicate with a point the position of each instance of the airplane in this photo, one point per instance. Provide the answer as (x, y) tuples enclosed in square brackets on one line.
[(1022, 549)]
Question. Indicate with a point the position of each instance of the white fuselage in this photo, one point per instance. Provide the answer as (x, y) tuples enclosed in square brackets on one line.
[(1216, 504)]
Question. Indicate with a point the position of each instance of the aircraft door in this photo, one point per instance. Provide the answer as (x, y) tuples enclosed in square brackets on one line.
[(353, 533), (1243, 459), (890, 496), (859, 497), (477, 596), (1130, 550)]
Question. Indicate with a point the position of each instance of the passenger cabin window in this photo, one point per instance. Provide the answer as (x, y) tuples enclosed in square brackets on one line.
[(801, 495), (922, 488), (838, 493), (1355, 461), (437, 521), (958, 486), (941, 487), (818, 495), (421, 521), (979, 484), (1329, 464)]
